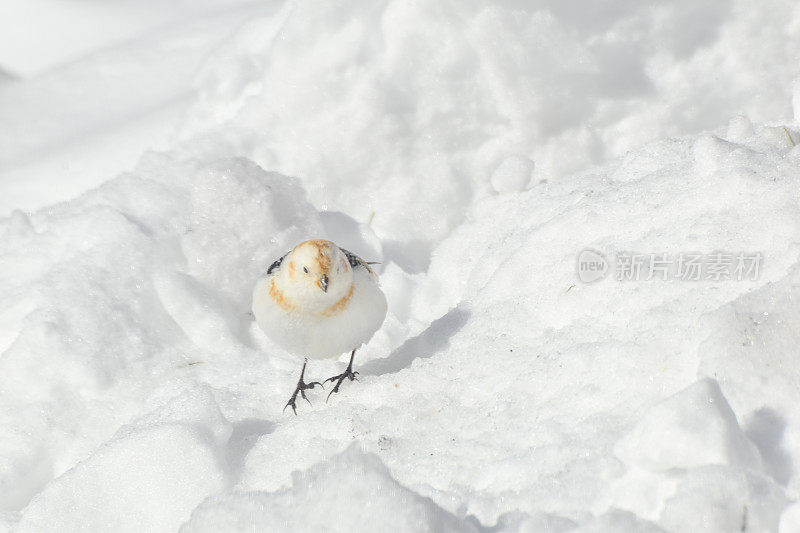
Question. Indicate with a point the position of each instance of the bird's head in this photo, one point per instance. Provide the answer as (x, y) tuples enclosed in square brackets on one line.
[(316, 270)]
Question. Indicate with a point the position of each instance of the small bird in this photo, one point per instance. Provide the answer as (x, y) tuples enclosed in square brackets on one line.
[(319, 301)]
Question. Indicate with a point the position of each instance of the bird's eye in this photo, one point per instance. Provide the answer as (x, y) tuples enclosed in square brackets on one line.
[(305, 269)]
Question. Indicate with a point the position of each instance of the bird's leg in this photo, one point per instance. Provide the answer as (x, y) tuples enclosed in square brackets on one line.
[(341, 377), (301, 388)]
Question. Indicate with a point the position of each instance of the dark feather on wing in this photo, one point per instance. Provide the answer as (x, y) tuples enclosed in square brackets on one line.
[(276, 265)]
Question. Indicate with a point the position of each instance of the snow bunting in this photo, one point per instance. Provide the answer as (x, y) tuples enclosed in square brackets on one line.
[(319, 301)]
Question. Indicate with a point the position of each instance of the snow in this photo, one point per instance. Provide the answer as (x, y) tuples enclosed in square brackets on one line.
[(352, 491), (513, 174), (152, 171), (790, 519), (693, 428), (84, 113), (148, 478)]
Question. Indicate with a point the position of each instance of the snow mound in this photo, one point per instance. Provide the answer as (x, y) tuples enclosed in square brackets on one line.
[(118, 285), (689, 457), (694, 427), (150, 477), (752, 346), (724, 499), (351, 491), (445, 91), (790, 519), (513, 174)]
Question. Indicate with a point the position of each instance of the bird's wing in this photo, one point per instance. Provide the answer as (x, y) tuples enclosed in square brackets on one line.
[(357, 262), (273, 268)]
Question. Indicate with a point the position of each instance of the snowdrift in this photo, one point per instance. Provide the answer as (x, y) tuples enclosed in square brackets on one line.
[(452, 145)]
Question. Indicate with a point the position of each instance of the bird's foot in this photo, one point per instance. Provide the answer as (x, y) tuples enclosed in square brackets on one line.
[(301, 389), (339, 378)]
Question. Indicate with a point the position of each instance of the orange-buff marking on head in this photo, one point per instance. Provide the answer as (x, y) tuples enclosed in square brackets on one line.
[(323, 260)]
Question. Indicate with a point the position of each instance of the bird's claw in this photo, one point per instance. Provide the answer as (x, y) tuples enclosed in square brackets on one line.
[(294, 407), (339, 378), (305, 387), (302, 386), (301, 389)]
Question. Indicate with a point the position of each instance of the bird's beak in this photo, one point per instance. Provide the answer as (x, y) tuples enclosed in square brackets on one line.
[(323, 283)]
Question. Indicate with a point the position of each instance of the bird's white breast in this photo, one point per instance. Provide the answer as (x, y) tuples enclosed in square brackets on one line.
[(339, 328)]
